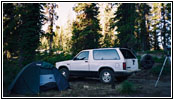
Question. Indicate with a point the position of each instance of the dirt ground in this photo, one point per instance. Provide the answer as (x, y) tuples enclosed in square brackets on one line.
[(90, 87)]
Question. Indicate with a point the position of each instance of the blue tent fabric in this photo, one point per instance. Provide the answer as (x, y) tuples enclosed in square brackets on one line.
[(23, 81), (28, 79), (61, 81)]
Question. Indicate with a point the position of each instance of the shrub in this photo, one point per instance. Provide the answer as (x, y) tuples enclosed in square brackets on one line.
[(159, 60), (155, 52), (54, 58), (126, 87), (156, 70), (10, 70), (139, 58)]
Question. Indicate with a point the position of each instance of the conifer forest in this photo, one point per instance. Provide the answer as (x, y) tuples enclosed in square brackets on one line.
[(36, 32)]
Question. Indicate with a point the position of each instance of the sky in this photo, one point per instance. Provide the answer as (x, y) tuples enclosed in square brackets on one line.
[(64, 11)]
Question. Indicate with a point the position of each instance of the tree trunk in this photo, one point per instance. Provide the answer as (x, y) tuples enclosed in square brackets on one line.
[(164, 27), (51, 30)]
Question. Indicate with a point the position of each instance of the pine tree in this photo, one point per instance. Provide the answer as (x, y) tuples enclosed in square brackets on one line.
[(30, 31), (52, 17), (61, 38), (26, 29), (106, 14), (86, 28), (168, 7), (10, 27), (125, 18), (165, 24), (56, 44), (144, 27), (68, 35), (155, 21)]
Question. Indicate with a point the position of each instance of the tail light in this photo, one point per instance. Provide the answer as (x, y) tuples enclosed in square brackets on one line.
[(124, 65)]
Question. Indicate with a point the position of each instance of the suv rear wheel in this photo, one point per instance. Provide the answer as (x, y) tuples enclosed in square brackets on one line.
[(64, 72), (106, 76)]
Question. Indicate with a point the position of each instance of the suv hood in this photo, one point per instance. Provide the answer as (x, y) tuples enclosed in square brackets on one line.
[(63, 62)]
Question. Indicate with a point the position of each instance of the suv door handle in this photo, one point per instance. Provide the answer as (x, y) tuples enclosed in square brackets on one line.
[(86, 61)]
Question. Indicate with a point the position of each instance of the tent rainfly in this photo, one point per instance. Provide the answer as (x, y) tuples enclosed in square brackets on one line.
[(36, 77)]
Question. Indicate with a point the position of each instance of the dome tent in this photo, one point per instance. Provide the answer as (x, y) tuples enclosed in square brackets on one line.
[(38, 76)]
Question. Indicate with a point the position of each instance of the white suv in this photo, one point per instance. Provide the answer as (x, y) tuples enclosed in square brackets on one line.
[(105, 63)]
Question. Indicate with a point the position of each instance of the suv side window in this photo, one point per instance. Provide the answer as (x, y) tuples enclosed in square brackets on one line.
[(106, 54), (82, 56)]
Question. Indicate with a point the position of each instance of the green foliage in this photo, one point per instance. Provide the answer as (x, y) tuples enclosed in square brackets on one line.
[(23, 28), (10, 70), (139, 58), (53, 58), (50, 20), (10, 29), (165, 24), (155, 26), (106, 14), (158, 60), (155, 52), (168, 7), (127, 87), (30, 31), (136, 28), (85, 33), (125, 22), (156, 69), (143, 26), (107, 40)]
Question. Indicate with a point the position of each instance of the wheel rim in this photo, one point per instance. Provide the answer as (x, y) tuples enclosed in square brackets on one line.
[(64, 73), (106, 77)]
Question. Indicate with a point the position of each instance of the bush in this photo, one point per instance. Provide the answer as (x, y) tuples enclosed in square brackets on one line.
[(53, 58), (126, 88), (10, 70), (156, 70), (139, 58), (159, 60), (155, 52)]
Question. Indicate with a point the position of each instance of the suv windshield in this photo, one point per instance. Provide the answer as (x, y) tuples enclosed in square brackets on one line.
[(82, 56)]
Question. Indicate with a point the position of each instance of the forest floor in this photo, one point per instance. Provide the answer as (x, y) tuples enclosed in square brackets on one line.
[(90, 87)]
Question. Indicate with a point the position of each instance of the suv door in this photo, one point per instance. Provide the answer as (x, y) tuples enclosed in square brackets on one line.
[(130, 58), (80, 63)]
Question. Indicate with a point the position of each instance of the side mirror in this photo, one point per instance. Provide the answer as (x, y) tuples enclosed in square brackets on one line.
[(74, 58)]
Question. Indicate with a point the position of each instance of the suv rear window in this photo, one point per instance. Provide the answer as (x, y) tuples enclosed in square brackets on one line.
[(106, 54), (127, 54)]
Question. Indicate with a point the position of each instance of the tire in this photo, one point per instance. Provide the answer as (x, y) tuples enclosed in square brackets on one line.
[(106, 76), (64, 72), (147, 61)]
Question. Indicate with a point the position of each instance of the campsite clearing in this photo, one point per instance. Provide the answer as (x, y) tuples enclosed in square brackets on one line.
[(88, 87)]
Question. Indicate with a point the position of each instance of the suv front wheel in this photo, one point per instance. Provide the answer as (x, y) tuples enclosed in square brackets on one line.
[(65, 72), (106, 76)]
